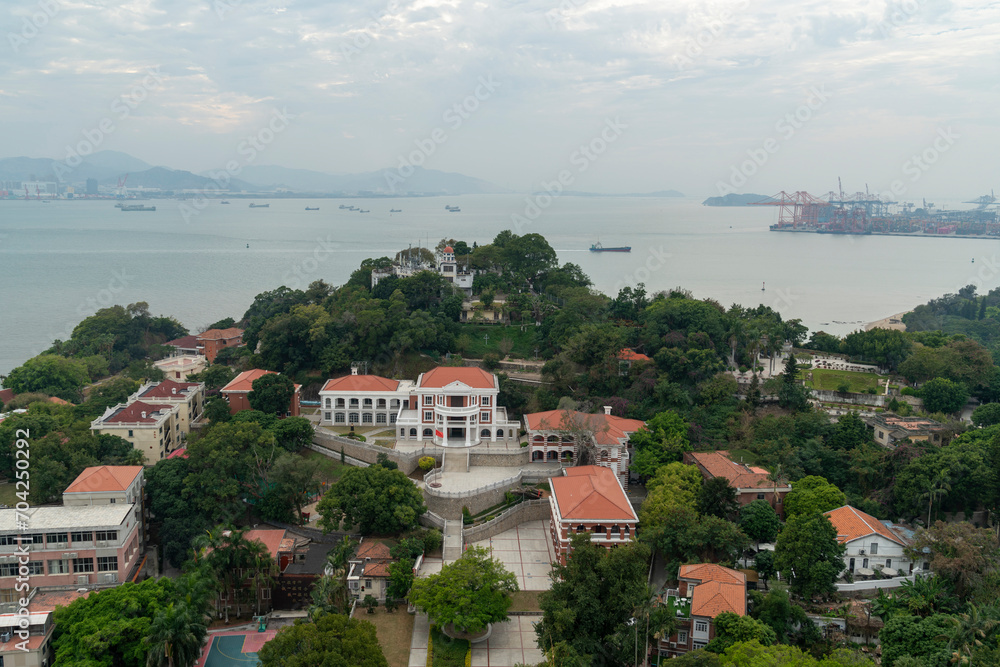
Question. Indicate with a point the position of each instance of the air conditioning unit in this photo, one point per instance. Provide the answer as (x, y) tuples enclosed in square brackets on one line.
[(861, 552), (102, 543), (83, 580), (71, 555), (5, 637), (109, 578)]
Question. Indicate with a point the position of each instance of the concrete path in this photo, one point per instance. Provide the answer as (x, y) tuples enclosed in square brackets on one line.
[(526, 551), (452, 549)]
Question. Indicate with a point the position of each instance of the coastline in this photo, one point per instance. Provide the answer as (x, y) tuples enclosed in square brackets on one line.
[(894, 322)]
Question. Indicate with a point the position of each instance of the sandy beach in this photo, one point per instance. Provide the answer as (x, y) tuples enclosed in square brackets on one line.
[(891, 322)]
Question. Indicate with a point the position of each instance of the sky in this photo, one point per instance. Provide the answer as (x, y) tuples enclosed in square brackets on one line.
[(615, 96)]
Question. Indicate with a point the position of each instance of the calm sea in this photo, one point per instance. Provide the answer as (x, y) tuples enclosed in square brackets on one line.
[(61, 261)]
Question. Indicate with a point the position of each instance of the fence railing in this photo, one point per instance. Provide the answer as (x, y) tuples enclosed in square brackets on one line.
[(469, 534), (333, 443), (465, 493)]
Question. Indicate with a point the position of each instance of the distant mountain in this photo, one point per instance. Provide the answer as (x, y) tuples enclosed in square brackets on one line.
[(269, 176), (117, 162), (177, 179), (733, 199)]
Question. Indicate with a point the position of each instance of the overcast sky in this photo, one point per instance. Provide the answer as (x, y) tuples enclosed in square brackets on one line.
[(683, 92)]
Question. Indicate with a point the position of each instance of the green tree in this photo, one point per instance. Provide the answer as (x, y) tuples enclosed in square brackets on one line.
[(717, 498), (811, 495), (272, 393), (850, 432), (176, 636), (808, 554), (675, 485), (987, 414), (374, 499), (109, 628), (215, 377), (177, 524), (765, 567), (731, 629), (331, 640), (963, 555), (944, 395), (217, 410), (400, 578), (759, 521), (663, 439), (328, 597), (469, 593), (240, 567), (914, 637), (50, 374)]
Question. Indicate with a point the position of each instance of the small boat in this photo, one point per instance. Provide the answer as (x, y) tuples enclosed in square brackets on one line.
[(762, 286), (395, 210), (597, 247), (363, 210), (248, 245), (223, 202), (138, 207), (452, 208), (119, 205), (312, 209), (343, 206), (252, 205)]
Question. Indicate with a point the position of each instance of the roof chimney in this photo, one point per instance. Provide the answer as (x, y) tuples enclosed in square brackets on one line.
[(607, 409), (143, 413), (354, 370)]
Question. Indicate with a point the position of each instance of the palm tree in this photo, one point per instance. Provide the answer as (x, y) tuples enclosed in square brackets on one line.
[(774, 477), (970, 631), (939, 489), (327, 597), (176, 636)]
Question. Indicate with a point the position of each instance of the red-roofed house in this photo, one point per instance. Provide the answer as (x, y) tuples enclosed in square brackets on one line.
[(179, 368), (363, 399), (33, 649), (589, 499), (214, 341), (871, 544), (239, 388), (704, 591), (456, 407), (627, 357), (369, 573), (554, 434), (283, 548), (185, 345), (751, 483), (111, 485), (152, 428), (189, 396), (6, 396)]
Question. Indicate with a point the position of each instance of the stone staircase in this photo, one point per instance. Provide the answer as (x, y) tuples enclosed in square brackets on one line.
[(452, 549), (456, 461)]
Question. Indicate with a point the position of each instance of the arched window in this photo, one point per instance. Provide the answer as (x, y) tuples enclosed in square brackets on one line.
[(368, 403), (353, 418), (537, 456), (581, 528), (510, 433), (553, 438), (539, 438), (340, 403), (428, 433), (338, 418), (485, 433), (380, 404), (329, 403), (402, 433), (500, 433), (598, 530), (615, 529), (413, 432), (567, 456), (604, 453), (354, 403), (552, 456)]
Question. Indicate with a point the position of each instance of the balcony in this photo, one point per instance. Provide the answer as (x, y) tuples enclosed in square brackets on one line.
[(449, 411)]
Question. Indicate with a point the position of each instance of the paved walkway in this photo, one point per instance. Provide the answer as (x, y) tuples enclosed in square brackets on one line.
[(511, 643), (527, 552)]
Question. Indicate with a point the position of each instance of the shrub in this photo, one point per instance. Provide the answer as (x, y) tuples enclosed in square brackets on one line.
[(426, 463), (466, 516), (370, 603), (491, 361), (908, 391), (433, 539), (844, 387)]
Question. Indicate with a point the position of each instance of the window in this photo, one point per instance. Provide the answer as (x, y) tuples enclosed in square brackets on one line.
[(428, 433), (36, 567), (682, 637), (58, 567), (874, 550), (339, 418), (8, 569), (484, 401), (107, 563), (366, 418), (926, 565), (413, 432), (368, 583), (328, 403), (428, 400), (698, 645), (864, 563), (8, 595), (353, 418), (83, 565), (760, 496), (368, 403), (392, 418), (327, 416), (485, 433), (57, 538), (428, 415), (700, 626), (380, 418), (340, 402), (402, 433), (888, 562), (354, 403), (484, 416), (109, 535), (130, 433), (112, 501)]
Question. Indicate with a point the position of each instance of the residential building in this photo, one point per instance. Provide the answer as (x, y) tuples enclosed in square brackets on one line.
[(179, 368), (283, 547), (237, 391), (152, 428), (213, 341), (369, 570), (751, 483), (456, 407), (188, 396), (888, 429), (704, 591), (111, 485), (33, 649), (363, 399), (589, 499), (627, 356), (185, 346), (447, 267), (74, 546), (453, 273), (477, 313), (873, 545), (557, 435)]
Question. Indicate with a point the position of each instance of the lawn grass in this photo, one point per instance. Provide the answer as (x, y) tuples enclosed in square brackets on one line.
[(8, 495), (525, 601), (524, 341), (830, 380), (447, 652), (330, 470), (394, 632)]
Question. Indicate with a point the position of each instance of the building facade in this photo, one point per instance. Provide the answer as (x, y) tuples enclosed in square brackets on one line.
[(111, 485), (363, 399), (751, 483), (180, 367), (152, 428), (888, 429), (369, 572), (189, 397), (873, 545), (704, 591), (558, 435), (589, 499), (238, 390), (213, 341)]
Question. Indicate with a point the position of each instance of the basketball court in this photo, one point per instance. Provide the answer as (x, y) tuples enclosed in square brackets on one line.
[(234, 649)]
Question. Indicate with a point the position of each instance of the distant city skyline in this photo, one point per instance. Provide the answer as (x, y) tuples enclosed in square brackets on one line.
[(616, 95)]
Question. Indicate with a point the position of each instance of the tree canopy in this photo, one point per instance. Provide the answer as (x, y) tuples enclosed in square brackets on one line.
[(332, 640), (813, 494), (374, 499), (808, 554)]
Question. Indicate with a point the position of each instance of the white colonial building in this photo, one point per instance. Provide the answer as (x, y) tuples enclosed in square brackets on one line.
[(447, 266), (363, 399), (872, 544)]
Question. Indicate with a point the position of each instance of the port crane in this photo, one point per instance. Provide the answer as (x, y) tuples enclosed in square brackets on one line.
[(122, 192)]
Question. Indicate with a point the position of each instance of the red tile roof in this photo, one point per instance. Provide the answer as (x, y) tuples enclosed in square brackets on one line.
[(168, 389), (703, 572), (591, 493), (365, 383), (132, 413), (718, 464), (244, 381), (442, 376), (184, 342), (608, 429), (58, 401), (718, 590), (182, 452), (374, 550), (43, 601), (220, 334), (6, 395), (270, 538), (628, 354), (449, 249), (104, 478), (853, 524)]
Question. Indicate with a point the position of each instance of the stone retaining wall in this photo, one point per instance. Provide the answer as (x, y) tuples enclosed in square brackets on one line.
[(875, 400), (529, 510), (500, 459), (367, 452), (451, 508)]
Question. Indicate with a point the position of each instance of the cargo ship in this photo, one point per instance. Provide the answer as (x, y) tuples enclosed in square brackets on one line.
[(137, 207), (260, 205), (312, 209), (597, 247)]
